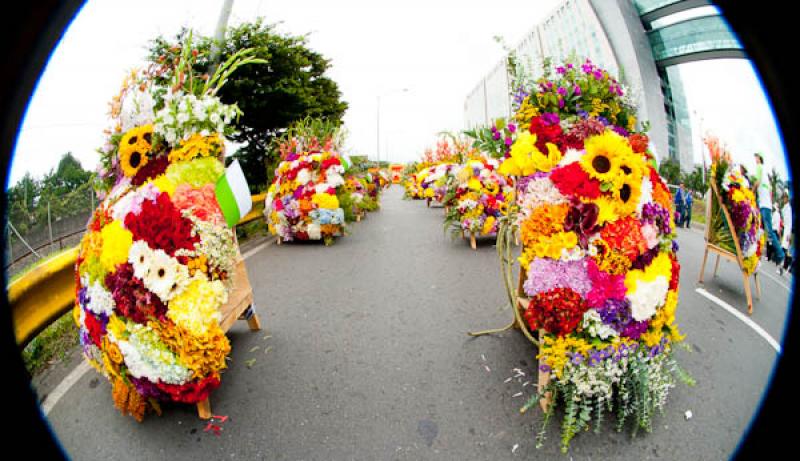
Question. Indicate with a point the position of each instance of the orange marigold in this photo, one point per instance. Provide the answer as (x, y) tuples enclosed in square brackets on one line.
[(543, 221)]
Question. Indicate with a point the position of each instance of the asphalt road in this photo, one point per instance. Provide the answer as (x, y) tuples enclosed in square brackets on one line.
[(365, 356)]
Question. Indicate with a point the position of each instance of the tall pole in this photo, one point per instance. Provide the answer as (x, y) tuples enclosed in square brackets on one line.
[(378, 118), (219, 34)]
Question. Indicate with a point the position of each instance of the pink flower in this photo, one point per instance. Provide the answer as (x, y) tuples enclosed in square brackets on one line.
[(604, 285), (201, 202), (650, 234)]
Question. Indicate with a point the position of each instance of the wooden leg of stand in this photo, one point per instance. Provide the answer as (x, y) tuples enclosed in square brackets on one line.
[(758, 285), (472, 243), (358, 217), (747, 293), (544, 379), (703, 266), (462, 234), (278, 240), (204, 409), (716, 266), (253, 322)]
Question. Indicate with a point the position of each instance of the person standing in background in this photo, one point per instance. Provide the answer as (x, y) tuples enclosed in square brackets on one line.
[(688, 201), (787, 240), (680, 205), (762, 186)]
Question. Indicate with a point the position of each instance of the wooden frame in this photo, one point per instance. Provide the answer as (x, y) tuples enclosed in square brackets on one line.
[(238, 307), (723, 253)]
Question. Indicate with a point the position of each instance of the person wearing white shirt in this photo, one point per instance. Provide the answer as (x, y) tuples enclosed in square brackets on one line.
[(787, 240), (765, 205)]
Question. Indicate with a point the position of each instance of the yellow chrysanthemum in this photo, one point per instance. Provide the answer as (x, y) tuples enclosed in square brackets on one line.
[(660, 267), (526, 159), (603, 154), (324, 200), (133, 149), (607, 210), (548, 246), (487, 225), (164, 184), (474, 184), (117, 242), (116, 326), (197, 307), (526, 111), (428, 193), (197, 146)]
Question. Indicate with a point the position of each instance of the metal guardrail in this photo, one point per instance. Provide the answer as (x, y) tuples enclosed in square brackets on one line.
[(47, 292)]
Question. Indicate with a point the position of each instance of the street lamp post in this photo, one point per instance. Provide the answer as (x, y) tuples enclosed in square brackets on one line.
[(378, 120)]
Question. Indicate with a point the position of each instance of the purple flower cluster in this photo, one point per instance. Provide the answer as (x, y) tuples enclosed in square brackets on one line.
[(597, 356), (616, 313), (147, 388), (654, 213), (645, 258), (620, 131), (551, 118), (740, 212), (520, 95), (544, 274)]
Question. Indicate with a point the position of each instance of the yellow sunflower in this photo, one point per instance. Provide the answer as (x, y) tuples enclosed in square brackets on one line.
[(133, 149), (627, 196), (630, 167), (603, 154), (607, 210)]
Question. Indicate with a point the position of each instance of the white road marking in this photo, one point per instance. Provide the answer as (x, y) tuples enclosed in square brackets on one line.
[(772, 277), (744, 318), (66, 384)]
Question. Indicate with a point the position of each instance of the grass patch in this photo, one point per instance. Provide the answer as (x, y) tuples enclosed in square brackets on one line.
[(51, 345)]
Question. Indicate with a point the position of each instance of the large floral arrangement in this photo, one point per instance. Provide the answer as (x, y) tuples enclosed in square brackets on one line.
[(481, 197), (156, 262), (596, 225), (435, 181), (740, 202), (302, 200)]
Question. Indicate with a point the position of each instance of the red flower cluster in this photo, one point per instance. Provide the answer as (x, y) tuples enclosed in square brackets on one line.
[(639, 142), (546, 132), (191, 392), (153, 168), (625, 236), (581, 130), (676, 272), (559, 311), (162, 226), (572, 180), (100, 218), (96, 328), (329, 162), (132, 299)]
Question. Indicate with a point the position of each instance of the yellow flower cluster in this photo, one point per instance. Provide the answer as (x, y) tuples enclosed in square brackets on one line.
[(204, 355), (543, 221), (526, 159), (117, 242), (526, 111), (325, 200), (660, 267), (133, 149), (487, 225), (164, 184), (548, 246), (197, 307), (555, 351), (197, 146)]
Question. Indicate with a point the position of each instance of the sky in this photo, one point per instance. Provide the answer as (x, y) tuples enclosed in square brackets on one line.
[(438, 51)]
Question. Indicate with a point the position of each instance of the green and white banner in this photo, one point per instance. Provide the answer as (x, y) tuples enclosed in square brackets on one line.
[(233, 194)]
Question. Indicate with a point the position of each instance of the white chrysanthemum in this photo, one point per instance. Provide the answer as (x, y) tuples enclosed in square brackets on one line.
[(335, 179), (100, 300), (322, 188), (123, 206), (165, 277), (595, 326), (571, 156), (314, 231), (647, 297), (646, 195), (303, 177), (139, 257), (147, 357)]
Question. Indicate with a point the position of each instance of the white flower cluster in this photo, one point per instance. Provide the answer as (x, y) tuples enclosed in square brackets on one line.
[(595, 326), (596, 381), (647, 297), (100, 300), (147, 357), (216, 242), (137, 108), (185, 114), (161, 273)]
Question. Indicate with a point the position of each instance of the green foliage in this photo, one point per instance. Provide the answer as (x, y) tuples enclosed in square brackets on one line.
[(670, 170), (67, 189), (484, 139), (346, 204), (290, 86), (54, 343), (696, 180)]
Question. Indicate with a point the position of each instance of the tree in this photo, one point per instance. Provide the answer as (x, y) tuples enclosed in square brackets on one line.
[(291, 86), (696, 180), (776, 185), (670, 170)]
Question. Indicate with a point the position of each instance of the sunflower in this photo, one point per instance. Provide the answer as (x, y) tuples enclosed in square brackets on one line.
[(133, 149), (627, 195), (603, 154), (631, 166), (607, 210)]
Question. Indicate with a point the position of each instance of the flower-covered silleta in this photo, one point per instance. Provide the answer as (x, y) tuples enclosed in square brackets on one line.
[(740, 202), (481, 196), (157, 260), (302, 202), (598, 257)]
